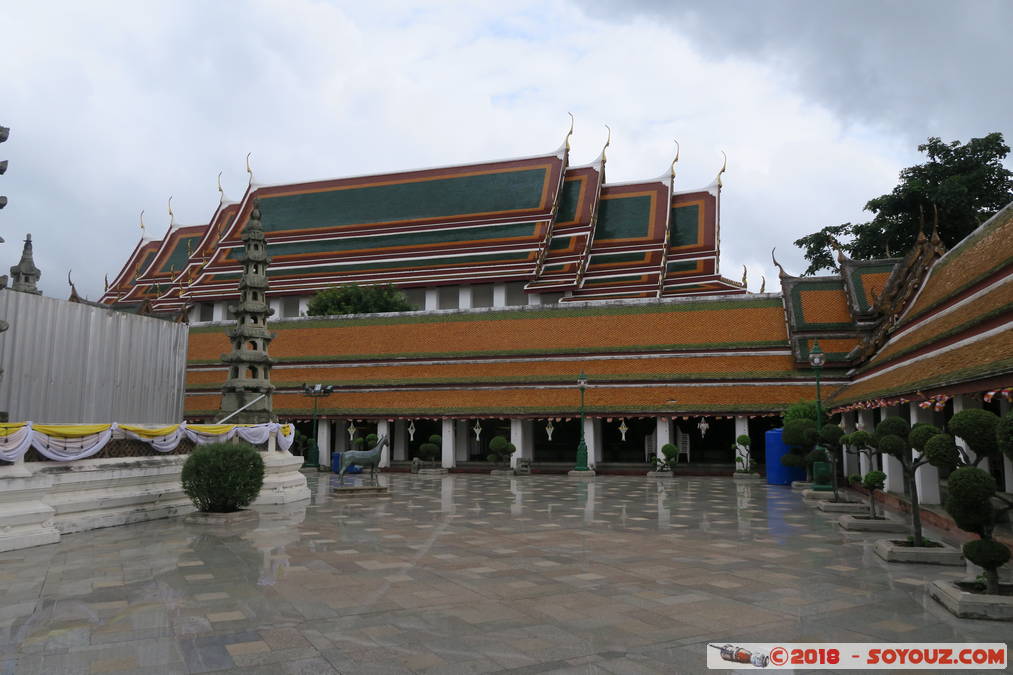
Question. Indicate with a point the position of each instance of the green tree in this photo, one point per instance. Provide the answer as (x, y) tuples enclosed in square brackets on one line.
[(353, 299), (964, 184)]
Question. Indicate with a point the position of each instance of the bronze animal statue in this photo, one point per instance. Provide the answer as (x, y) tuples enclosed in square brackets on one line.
[(363, 458)]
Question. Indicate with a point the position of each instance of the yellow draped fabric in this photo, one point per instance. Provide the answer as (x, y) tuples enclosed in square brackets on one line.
[(148, 432), (8, 428), (211, 429), (286, 429), (71, 430)]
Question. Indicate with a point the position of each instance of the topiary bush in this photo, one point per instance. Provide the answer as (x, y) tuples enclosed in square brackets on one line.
[(430, 449), (800, 436), (978, 429), (874, 480), (942, 452), (669, 458), (223, 477), (802, 410), (500, 450), (744, 459), (1004, 434), (969, 501)]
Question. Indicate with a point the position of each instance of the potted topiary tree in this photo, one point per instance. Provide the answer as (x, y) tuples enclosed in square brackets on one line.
[(500, 451), (664, 466), (800, 436), (890, 437), (222, 479), (976, 506), (429, 451), (896, 439)]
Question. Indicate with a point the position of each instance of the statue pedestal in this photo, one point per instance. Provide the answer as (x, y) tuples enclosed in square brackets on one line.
[(345, 491), (581, 474)]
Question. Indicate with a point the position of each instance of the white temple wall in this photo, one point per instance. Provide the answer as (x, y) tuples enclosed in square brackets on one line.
[(65, 362)]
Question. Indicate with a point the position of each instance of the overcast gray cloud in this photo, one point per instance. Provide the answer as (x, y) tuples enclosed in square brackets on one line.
[(116, 106), (917, 67)]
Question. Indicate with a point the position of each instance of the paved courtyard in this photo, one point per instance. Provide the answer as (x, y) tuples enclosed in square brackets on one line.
[(466, 574)]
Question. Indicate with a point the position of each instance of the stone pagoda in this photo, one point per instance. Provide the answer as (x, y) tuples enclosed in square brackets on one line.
[(248, 362), (25, 275)]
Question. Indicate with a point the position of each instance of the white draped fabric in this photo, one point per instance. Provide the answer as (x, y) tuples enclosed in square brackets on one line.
[(70, 448), (256, 434), (164, 443), (14, 445), (286, 436), (69, 442)]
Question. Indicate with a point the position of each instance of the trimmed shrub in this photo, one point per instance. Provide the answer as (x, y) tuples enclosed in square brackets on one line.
[(968, 500), (920, 435), (500, 450), (874, 480), (941, 451), (893, 445), (986, 554), (978, 429), (800, 433), (670, 452), (744, 440), (801, 410), (893, 426), (854, 479), (223, 477), (371, 441)]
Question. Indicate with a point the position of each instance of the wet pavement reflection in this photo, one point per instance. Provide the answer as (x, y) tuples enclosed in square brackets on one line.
[(465, 573)]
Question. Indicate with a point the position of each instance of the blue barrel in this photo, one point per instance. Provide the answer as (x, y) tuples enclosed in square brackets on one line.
[(336, 464), (777, 473)]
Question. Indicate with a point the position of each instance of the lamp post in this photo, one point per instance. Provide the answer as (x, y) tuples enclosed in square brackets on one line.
[(315, 391), (582, 446), (816, 359)]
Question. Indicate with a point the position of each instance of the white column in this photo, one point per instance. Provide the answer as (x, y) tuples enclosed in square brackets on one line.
[(865, 423), (218, 311), (527, 440), (340, 436), (741, 428), (1007, 463), (464, 300), (599, 445), (891, 465), (499, 295), (961, 403), (432, 299), (664, 434), (449, 443), (383, 428), (399, 447), (324, 443), (851, 463), (461, 443), (593, 450), (927, 476), (534, 298), (517, 437), (304, 305), (275, 304)]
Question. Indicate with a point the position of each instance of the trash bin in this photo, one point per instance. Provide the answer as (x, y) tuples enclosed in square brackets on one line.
[(336, 464), (777, 473)]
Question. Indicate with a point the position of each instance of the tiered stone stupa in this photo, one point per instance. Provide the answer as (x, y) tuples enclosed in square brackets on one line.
[(248, 362), (25, 275)]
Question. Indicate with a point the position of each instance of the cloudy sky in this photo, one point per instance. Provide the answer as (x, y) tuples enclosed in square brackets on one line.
[(116, 106)]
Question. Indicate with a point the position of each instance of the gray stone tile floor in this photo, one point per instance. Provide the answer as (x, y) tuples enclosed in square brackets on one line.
[(466, 574)]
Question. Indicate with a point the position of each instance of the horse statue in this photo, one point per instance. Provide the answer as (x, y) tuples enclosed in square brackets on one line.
[(363, 458)]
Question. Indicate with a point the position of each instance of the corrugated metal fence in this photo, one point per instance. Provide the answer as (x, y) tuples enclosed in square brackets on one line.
[(68, 362)]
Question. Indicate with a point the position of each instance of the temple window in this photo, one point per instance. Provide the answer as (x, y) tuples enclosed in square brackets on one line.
[(449, 297), (481, 295)]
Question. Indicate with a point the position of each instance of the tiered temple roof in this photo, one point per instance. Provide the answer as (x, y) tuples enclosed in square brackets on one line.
[(946, 321), (534, 220)]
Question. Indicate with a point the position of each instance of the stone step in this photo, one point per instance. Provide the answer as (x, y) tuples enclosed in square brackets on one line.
[(360, 491)]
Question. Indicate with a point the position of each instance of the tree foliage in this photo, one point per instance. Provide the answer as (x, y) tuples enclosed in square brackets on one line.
[(801, 410), (353, 299), (977, 428), (965, 183), (223, 477)]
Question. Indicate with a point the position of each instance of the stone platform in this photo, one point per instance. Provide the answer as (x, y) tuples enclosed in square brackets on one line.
[(346, 491)]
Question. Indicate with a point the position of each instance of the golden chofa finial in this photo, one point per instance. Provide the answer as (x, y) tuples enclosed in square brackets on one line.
[(172, 216), (675, 161), (608, 142), (763, 283), (569, 133), (744, 273), (221, 192), (248, 169), (724, 167), (141, 218), (777, 264)]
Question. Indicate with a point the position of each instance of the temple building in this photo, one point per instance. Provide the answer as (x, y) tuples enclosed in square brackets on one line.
[(526, 273)]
